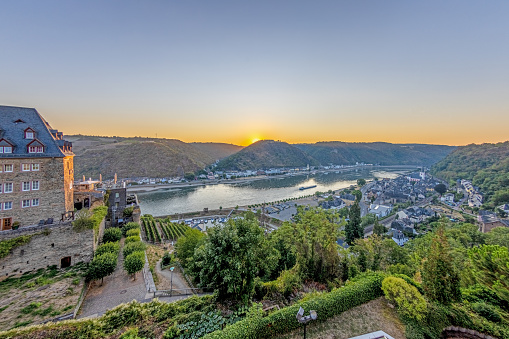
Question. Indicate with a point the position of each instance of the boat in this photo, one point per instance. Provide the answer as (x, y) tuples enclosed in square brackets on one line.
[(306, 187)]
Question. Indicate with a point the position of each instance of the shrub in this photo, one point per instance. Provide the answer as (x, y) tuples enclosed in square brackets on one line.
[(6, 246), (167, 258), (326, 306), (133, 247), (134, 262), (134, 238), (130, 226), (131, 232), (109, 247), (112, 235), (128, 212), (408, 299), (83, 220), (487, 311)]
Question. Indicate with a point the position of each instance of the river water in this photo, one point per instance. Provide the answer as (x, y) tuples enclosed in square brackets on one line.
[(190, 199)]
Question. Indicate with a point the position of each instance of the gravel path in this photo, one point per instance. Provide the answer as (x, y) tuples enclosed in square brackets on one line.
[(117, 288)]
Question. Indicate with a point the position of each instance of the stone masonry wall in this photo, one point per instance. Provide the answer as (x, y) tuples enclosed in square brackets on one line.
[(55, 177), (47, 247)]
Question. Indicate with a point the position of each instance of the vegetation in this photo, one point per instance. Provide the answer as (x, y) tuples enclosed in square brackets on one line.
[(134, 262), (86, 219), (132, 247), (102, 266), (353, 228), (129, 226), (187, 244), (486, 165), (6, 246), (172, 231), (109, 247), (112, 234)]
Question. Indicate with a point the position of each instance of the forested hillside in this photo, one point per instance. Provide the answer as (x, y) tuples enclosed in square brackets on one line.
[(487, 165)]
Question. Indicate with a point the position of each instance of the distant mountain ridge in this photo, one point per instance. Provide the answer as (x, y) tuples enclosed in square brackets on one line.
[(269, 153), (383, 153), (152, 157), (487, 165), (142, 157)]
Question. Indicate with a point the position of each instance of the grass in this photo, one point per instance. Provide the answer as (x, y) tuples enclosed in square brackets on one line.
[(154, 253), (375, 315)]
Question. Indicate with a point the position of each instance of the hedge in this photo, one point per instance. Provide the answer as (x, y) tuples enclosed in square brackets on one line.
[(326, 305)]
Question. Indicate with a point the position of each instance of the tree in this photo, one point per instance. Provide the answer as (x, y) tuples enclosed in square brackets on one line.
[(230, 258), (353, 227), (441, 189), (134, 262), (440, 279), (132, 247), (112, 234), (187, 244), (313, 236), (361, 182), (358, 195), (378, 228), (189, 176), (109, 247), (101, 266)]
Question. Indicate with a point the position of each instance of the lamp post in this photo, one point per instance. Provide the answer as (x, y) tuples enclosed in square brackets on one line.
[(301, 318), (171, 280)]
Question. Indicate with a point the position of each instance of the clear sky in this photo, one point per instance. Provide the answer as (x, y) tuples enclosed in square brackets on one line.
[(234, 71)]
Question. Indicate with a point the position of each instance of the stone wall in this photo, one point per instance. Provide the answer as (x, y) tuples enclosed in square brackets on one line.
[(55, 177), (49, 244)]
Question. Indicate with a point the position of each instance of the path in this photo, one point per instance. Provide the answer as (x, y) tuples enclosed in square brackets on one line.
[(117, 288), (164, 284)]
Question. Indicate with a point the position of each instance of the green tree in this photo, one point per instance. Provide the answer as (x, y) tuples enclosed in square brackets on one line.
[(101, 266), (109, 247), (313, 236), (440, 279), (358, 195), (353, 227), (408, 299), (187, 244), (130, 226), (189, 176), (378, 228), (134, 262), (361, 182), (112, 234), (230, 258), (132, 247), (441, 189)]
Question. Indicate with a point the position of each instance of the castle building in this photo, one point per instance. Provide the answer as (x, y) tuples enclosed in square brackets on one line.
[(36, 170)]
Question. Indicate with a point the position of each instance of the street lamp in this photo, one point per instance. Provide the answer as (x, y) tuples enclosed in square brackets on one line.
[(301, 318), (171, 279)]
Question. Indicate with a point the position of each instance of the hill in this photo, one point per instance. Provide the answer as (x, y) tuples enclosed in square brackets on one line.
[(267, 154), (487, 165), (139, 157), (336, 152), (216, 150)]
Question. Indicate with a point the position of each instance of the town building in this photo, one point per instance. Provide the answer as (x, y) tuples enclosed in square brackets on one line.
[(36, 170)]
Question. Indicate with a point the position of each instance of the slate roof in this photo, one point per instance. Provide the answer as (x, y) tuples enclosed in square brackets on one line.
[(15, 120)]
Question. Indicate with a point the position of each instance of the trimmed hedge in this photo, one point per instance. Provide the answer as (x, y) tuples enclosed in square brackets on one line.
[(326, 305), (109, 247), (130, 226), (133, 238)]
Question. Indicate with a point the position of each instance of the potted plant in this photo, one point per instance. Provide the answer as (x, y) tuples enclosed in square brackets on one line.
[(15, 225)]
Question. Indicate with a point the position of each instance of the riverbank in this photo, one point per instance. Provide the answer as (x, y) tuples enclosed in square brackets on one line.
[(198, 183)]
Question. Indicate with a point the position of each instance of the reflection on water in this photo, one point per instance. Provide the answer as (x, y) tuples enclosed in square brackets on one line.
[(181, 200)]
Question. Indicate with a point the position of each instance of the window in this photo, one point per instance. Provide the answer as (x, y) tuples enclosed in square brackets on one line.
[(25, 203), (35, 149), (25, 167), (29, 135), (6, 149), (35, 185), (8, 205), (35, 202), (8, 168), (25, 186), (8, 187), (35, 167)]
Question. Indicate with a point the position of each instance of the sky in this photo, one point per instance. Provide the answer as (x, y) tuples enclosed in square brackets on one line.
[(433, 72)]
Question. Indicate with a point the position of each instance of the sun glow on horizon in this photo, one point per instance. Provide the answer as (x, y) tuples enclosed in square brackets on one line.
[(254, 140)]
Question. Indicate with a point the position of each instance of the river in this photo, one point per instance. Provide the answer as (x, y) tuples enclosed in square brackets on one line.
[(189, 199)]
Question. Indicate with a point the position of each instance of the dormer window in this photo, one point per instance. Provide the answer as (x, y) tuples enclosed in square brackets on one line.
[(35, 147), (5, 146), (29, 134)]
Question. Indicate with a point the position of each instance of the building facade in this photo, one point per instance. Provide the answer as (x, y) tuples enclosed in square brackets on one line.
[(36, 170)]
